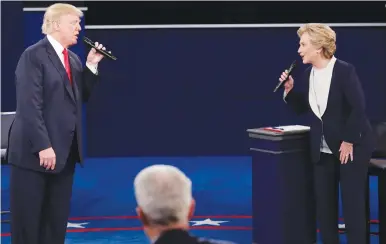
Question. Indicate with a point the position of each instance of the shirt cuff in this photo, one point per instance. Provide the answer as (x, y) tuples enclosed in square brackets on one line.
[(284, 96), (93, 68)]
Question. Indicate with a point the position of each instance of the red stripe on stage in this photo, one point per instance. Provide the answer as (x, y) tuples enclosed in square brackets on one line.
[(141, 228), (373, 221)]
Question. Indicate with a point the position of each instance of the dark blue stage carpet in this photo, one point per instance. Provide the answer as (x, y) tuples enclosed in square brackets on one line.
[(103, 204)]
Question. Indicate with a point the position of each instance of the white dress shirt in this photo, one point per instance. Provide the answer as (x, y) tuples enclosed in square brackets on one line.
[(59, 50)]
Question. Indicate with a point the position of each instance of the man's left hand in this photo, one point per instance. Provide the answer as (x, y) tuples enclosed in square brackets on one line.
[(93, 56), (346, 151)]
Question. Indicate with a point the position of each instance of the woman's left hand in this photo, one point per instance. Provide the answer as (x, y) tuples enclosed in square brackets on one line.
[(346, 151)]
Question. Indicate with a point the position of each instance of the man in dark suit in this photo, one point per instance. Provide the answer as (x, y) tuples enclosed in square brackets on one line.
[(165, 205), (45, 138), (342, 140)]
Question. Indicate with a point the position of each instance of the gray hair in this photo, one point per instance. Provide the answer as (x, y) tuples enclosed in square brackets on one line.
[(54, 12), (164, 193)]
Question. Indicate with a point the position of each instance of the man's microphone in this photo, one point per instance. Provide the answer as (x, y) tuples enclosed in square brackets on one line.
[(290, 69), (103, 52)]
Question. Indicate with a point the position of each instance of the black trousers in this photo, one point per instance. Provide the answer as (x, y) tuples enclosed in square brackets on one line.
[(40, 204), (328, 173)]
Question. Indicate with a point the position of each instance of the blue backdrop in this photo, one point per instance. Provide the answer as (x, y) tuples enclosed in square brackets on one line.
[(187, 92), (12, 39), (195, 91)]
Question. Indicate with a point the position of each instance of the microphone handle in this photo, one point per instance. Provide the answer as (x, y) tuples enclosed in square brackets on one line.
[(103, 52), (291, 68), (282, 82)]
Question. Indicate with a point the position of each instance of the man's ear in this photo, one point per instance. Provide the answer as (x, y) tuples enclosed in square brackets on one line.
[(55, 24), (142, 216), (192, 209)]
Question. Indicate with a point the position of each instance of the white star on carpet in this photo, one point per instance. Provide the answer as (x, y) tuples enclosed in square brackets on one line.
[(207, 222), (76, 225)]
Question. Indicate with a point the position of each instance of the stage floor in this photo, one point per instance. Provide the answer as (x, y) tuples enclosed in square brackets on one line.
[(103, 204)]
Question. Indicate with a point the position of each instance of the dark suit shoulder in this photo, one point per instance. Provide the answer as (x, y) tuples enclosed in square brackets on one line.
[(34, 51), (178, 236), (344, 64), (36, 47)]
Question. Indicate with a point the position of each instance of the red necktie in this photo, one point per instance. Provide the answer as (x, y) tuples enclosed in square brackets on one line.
[(67, 65)]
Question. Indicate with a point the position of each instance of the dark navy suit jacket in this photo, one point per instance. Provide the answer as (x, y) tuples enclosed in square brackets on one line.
[(49, 109), (345, 117), (179, 236)]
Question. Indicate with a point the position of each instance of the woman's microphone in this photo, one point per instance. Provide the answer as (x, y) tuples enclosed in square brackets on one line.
[(290, 69)]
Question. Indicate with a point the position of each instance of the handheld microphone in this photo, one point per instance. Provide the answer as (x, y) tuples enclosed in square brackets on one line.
[(290, 69), (103, 52)]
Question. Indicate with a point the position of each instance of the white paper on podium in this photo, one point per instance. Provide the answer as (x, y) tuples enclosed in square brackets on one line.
[(292, 128), (280, 130)]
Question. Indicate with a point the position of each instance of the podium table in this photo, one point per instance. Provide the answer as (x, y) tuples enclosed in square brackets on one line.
[(283, 202)]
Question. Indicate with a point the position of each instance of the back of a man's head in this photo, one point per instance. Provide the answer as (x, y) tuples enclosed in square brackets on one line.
[(164, 195)]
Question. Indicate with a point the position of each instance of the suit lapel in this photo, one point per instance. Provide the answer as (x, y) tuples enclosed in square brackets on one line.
[(332, 85), (74, 77), (53, 56), (311, 95)]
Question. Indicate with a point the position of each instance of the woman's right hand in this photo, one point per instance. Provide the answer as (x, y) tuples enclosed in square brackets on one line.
[(289, 84)]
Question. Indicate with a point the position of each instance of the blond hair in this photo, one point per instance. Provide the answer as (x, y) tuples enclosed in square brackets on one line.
[(321, 36), (54, 12)]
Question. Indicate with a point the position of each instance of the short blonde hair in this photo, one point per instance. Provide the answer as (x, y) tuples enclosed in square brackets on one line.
[(54, 12), (321, 36)]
